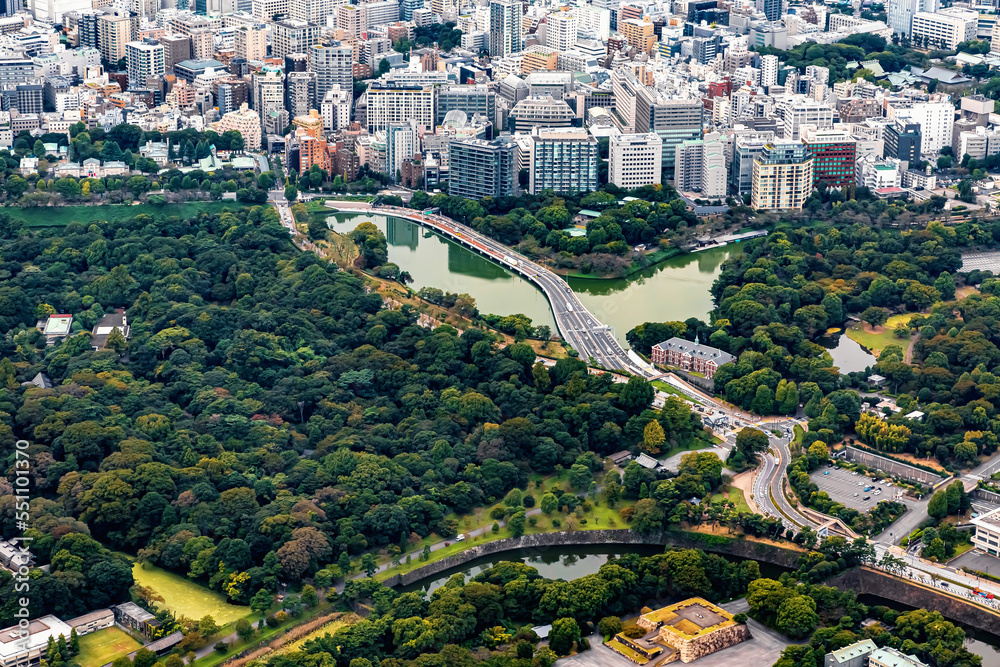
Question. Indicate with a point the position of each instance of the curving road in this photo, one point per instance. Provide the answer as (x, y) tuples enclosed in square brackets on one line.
[(592, 339)]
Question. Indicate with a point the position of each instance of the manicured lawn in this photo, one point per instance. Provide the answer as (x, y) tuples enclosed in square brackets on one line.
[(878, 340), (101, 647), (60, 216), (736, 497), (187, 598), (668, 388)]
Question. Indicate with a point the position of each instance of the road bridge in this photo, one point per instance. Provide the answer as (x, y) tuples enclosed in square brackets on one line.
[(592, 339)]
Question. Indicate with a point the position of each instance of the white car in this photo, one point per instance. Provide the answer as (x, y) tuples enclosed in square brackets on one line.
[(855, 472), (861, 483), (460, 538), (878, 493)]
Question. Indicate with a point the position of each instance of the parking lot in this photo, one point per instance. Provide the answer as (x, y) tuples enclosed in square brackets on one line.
[(977, 561), (849, 489)]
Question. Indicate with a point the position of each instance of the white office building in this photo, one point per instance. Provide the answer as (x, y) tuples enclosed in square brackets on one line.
[(800, 112), (769, 70), (635, 160), (945, 28), (144, 60), (561, 30), (336, 109), (937, 122), (700, 166)]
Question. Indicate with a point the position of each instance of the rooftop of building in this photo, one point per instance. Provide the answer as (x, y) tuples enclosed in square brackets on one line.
[(855, 650), (691, 618)]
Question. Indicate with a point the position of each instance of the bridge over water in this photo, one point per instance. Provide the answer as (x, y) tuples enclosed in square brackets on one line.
[(591, 338)]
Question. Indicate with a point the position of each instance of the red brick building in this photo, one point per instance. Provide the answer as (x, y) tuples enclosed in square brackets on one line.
[(690, 356)]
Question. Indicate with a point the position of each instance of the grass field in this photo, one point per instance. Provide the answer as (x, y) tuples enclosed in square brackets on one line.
[(876, 341), (101, 647), (186, 598), (60, 216), (736, 497)]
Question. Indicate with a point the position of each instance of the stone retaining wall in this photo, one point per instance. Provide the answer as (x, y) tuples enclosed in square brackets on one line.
[(873, 582), (536, 545), (720, 639)]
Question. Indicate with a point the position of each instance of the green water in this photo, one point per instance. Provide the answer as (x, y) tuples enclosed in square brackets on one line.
[(672, 290)]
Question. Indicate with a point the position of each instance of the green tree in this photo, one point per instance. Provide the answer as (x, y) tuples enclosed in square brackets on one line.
[(797, 617), (516, 523), (244, 629), (549, 503), (262, 601), (874, 316), (368, 564), (291, 192), (609, 626), (564, 634), (937, 507), (637, 394), (647, 516)]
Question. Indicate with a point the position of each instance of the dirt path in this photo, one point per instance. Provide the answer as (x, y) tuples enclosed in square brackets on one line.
[(908, 355), (744, 482)]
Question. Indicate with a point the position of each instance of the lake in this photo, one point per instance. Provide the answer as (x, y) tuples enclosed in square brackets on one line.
[(675, 289)]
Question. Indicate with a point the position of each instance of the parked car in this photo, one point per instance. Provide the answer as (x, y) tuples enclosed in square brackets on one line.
[(855, 495), (867, 498), (827, 472)]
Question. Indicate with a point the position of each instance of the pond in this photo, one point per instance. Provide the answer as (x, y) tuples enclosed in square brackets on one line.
[(675, 289), (848, 355), (556, 563)]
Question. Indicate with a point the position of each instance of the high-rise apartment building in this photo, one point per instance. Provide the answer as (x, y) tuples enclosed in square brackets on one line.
[(351, 19), (144, 60), (563, 161), (782, 177), (336, 108), (86, 27), (380, 12), (176, 49), (407, 7), (745, 151), (639, 33), (397, 105), (560, 30), (300, 93), (772, 9), (506, 35), (635, 160), (480, 168), (594, 19), (700, 166), (293, 36), (115, 30), (251, 42), (833, 154), (401, 143), (900, 14), (769, 71), (902, 141), (202, 43), (799, 113), (333, 62), (268, 90)]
